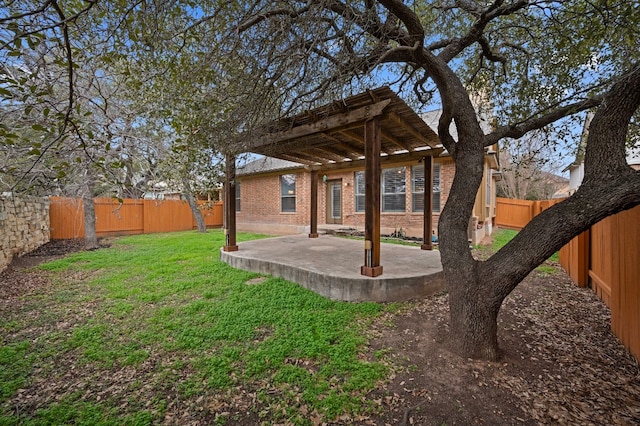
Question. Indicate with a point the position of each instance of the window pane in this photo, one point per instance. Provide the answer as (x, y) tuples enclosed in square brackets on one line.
[(417, 188), (288, 193), (393, 202), (359, 189), (436, 188), (288, 185), (288, 204), (417, 202), (393, 189), (237, 196), (393, 181)]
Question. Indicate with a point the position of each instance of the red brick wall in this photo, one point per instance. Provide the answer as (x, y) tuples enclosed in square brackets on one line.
[(260, 200)]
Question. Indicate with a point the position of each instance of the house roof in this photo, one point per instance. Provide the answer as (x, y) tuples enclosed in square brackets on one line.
[(334, 133), (266, 164), (432, 119)]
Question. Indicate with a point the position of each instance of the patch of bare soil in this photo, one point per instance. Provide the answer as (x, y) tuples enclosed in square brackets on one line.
[(19, 278), (561, 364)]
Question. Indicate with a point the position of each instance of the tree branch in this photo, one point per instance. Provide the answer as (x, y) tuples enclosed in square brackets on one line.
[(516, 131), (408, 17), (254, 20), (495, 10), (27, 14), (605, 151)]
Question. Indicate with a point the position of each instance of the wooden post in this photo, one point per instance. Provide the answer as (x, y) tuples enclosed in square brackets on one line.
[(313, 231), (427, 221), (230, 204), (372, 267)]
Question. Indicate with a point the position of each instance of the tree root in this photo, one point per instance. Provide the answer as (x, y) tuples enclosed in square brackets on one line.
[(407, 413)]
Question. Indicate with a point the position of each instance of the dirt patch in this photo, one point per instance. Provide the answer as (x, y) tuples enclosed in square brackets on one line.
[(561, 364), (255, 281), (19, 278)]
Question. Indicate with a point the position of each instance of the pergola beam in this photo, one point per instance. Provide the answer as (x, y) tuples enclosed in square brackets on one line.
[(333, 154), (385, 135), (401, 122), (398, 142), (322, 125), (341, 146), (297, 159), (388, 159)]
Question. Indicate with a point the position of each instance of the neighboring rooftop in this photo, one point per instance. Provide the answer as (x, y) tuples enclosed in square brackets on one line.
[(432, 119), (266, 164)]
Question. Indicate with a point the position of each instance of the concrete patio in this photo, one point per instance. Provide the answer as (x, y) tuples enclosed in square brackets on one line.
[(330, 266)]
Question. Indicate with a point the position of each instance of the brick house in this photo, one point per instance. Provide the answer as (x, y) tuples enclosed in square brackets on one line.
[(273, 195)]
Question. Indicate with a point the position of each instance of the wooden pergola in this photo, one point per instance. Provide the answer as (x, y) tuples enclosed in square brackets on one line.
[(367, 129)]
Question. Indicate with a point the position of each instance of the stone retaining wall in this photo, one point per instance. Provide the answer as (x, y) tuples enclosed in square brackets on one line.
[(24, 226)]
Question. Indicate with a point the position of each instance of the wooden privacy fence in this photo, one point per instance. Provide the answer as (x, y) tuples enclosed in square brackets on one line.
[(515, 214), (605, 258), (66, 216)]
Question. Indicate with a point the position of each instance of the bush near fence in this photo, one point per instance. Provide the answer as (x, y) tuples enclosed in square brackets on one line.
[(128, 217), (605, 258)]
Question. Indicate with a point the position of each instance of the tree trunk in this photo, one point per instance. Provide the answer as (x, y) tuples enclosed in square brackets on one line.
[(477, 289), (473, 318), (90, 236), (473, 312), (195, 210)]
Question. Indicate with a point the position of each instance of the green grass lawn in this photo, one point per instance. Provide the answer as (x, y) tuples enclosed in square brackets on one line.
[(157, 325), (502, 236)]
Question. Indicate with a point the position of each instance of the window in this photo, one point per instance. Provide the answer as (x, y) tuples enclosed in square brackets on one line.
[(288, 193), (393, 190), (488, 181), (488, 191), (237, 196), (359, 189), (417, 188)]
